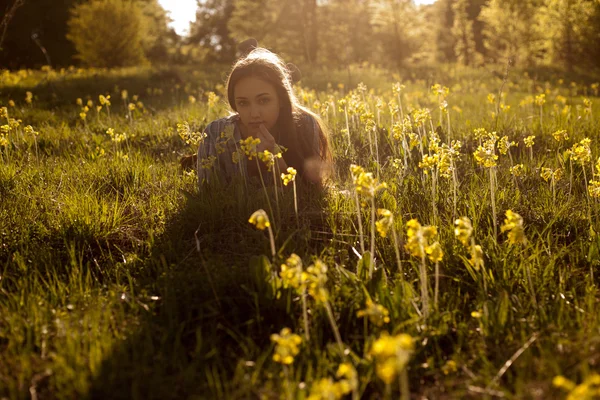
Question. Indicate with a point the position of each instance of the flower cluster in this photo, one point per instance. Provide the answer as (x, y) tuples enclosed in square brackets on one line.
[(485, 155), (377, 314), (328, 389), (392, 354), (292, 274), (249, 145), (286, 346), (364, 182), (550, 175), (581, 152), (514, 225), (316, 279), (419, 239), (463, 232), (289, 177), (188, 136), (260, 219)]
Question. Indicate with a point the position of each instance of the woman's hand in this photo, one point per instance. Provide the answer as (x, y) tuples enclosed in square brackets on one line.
[(267, 141)]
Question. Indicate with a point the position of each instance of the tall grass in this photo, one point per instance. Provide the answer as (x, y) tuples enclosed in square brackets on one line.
[(120, 279)]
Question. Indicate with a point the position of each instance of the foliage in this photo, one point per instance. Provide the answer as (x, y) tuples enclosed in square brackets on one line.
[(119, 272), (108, 33)]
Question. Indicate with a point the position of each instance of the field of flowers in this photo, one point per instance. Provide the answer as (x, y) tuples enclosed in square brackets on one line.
[(451, 255)]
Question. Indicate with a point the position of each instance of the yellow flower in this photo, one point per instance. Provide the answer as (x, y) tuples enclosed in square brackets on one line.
[(476, 259), (286, 346), (517, 170), (364, 182), (581, 152), (594, 189), (463, 230), (105, 101), (124, 94), (260, 219), (392, 354), (514, 225), (560, 135), (213, 99), (429, 162), (504, 145), (485, 154), (529, 141), (189, 137), (29, 130), (419, 238), (28, 97), (131, 106), (317, 278), (289, 177), (386, 223), (191, 99), (376, 313), (540, 99), (249, 145), (79, 101), (11, 103), (3, 112), (268, 158), (292, 274), (491, 98), (434, 252)]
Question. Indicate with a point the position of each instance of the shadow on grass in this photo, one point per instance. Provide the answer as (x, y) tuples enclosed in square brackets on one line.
[(214, 308)]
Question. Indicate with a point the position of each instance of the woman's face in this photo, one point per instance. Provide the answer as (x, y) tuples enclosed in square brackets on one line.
[(257, 103)]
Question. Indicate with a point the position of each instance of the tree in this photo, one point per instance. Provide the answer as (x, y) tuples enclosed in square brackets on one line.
[(462, 29), (399, 39), (210, 31), (443, 39), (108, 33), (345, 31), (511, 31), (566, 22)]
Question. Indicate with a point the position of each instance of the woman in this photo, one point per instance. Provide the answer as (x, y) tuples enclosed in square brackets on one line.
[(260, 93)]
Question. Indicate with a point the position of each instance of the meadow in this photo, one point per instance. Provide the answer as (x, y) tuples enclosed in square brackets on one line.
[(453, 253)]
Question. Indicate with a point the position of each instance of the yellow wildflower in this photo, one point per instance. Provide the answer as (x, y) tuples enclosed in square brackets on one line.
[(286, 346), (514, 225), (289, 177), (529, 141), (392, 354), (517, 170), (463, 230), (260, 219), (376, 313)]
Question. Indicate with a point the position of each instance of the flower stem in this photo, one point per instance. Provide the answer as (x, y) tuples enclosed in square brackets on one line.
[(305, 316), (396, 248), (360, 227), (336, 332), (371, 266)]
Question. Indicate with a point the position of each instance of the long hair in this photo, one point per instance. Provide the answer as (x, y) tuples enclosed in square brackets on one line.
[(289, 130)]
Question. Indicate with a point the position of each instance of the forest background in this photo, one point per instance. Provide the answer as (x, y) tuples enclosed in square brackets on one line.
[(389, 33)]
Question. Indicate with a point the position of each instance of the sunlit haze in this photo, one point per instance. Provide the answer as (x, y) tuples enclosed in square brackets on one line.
[(182, 12)]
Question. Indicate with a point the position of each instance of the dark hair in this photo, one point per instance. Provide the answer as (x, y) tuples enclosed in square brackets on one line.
[(290, 130)]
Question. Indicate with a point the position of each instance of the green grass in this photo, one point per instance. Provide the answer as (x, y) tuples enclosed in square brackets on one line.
[(120, 279)]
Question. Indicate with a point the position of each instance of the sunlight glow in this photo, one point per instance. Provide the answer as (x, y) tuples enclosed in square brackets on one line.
[(182, 12)]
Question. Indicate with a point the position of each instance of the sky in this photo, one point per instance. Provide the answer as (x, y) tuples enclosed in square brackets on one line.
[(182, 12)]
